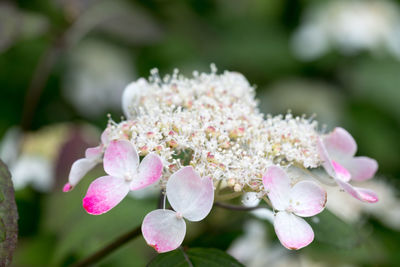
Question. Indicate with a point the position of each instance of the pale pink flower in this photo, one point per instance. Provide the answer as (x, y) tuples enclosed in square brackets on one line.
[(304, 199), (191, 197), (121, 163), (337, 151), (82, 166)]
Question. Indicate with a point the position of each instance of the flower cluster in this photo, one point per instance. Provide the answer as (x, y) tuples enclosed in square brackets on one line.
[(209, 126)]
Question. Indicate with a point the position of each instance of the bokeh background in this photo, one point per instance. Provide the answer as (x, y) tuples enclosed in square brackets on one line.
[(64, 65)]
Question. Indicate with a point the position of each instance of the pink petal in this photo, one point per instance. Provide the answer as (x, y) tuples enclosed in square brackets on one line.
[(340, 143), (341, 172), (362, 194), (121, 159), (326, 160), (293, 232), (189, 194), (94, 153), (150, 170), (104, 193), (277, 185), (362, 168), (163, 230), (79, 169), (67, 187), (307, 198)]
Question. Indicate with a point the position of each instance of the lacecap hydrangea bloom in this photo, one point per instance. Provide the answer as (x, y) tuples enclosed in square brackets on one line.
[(201, 136)]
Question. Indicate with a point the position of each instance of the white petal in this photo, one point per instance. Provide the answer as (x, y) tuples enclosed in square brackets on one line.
[(79, 169), (307, 198), (293, 232), (340, 144), (94, 153), (121, 159), (277, 185), (189, 194), (163, 230), (131, 96), (264, 214), (150, 170), (361, 168)]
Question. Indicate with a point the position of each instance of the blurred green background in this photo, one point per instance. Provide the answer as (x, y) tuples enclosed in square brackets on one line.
[(65, 63)]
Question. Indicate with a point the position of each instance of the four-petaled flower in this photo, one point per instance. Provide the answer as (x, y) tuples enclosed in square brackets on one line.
[(121, 162), (304, 199), (191, 197), (82, 166), (337, 151)]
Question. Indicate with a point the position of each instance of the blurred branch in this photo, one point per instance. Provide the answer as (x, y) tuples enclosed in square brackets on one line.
[(120, 241), (235, 207), (71, 35), (38, 82)]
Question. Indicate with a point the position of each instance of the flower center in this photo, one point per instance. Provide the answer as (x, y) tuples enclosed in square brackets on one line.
[(128, 177)]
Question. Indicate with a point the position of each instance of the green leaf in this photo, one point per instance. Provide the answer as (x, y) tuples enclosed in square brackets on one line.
[(80, 234), (329, 229), (8, 217), (198, 257)]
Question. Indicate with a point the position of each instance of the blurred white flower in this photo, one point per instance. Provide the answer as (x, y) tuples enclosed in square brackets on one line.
[(96, 77), (387, 209), (25, 169), (254, 249), (34, 170), (349, 26)]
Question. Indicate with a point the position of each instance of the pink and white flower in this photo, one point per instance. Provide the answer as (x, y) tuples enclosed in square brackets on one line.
[(82, 166), (191, 197), (337, 151), (304, 199), (121, 163)]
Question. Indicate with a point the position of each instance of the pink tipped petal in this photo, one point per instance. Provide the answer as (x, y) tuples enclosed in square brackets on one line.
[(150, 170), (94, 153), (189, 194), (340, 143), (121, 159), (163, 230), (277, 185), (104, 193), (293, 232), (362, 194), (326, 161), (341, 172), (67, 187), (307, 198), (79, 169), (367, 195), (362, 168)]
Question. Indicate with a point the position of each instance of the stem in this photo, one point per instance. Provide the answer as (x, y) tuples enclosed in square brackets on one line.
[(228, 196), (186, 257), (120, 241), (235, 207)]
